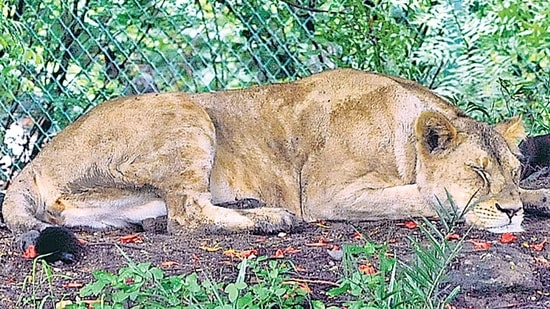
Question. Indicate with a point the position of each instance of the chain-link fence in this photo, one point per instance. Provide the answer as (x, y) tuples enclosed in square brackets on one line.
[(62, 57), (58, 58)]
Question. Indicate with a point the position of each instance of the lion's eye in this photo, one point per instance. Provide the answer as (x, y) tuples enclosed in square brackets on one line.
[(482, 173)]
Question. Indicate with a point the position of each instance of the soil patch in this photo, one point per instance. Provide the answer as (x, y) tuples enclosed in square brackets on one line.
[(512, 275)]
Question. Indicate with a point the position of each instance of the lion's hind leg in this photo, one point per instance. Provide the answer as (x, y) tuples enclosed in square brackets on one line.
[(105, 209)]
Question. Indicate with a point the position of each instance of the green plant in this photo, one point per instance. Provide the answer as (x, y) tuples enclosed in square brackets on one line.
[(422, 278), (269, 286), (394, 283), (145, 286), (32, 292), (368, 289)]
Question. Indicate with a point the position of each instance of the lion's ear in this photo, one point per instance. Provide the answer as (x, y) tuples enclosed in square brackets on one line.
[(435, 132), (513, 132)]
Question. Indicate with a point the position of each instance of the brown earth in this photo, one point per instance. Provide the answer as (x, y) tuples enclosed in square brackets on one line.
[(511, 275)]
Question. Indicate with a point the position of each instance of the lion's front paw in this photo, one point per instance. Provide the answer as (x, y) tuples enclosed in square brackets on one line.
[(273, 220)]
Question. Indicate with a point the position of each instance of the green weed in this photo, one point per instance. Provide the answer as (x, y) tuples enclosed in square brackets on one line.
[(32, 291), (396, 284), (259, 284)]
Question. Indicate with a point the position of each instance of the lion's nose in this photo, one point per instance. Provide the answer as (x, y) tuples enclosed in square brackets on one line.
[(510, 212)]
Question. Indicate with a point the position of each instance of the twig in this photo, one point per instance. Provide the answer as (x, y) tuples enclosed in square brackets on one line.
[(129, 246), (316, 281)]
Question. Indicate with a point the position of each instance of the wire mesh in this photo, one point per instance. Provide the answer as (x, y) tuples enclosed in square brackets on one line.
[(59, 58)]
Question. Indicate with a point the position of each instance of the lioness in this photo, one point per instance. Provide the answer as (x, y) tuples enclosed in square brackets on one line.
[(339, 145)]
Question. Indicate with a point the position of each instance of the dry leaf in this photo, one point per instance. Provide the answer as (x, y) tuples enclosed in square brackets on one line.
[(507, 238), (279, 254), (131, 239), (453, 236), (321, 242), (539, 246), (480, 244), (291, 250), (244, 254), (169, 263)]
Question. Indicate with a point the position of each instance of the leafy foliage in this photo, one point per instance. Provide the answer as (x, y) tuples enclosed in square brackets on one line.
[(258, 285)]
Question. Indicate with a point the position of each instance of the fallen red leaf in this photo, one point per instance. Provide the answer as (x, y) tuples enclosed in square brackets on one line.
[(410, 225), (480, 244), (82, 241), (30, 253), (299, 268), (131, 239), (453, 236), (291, 250), (73, 285), (367, 269), (279, 254), (539, 246), (244, 254), (169, 263), (129, 281), (507, 238), (357, 235), (321, 242)]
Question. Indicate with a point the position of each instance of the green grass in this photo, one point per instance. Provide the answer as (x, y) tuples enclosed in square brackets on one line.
[(41, 275)]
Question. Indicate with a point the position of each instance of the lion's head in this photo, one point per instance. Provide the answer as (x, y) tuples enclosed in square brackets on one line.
[(475, 163)]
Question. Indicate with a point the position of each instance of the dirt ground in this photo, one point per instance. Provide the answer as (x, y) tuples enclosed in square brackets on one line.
[(511, 275)]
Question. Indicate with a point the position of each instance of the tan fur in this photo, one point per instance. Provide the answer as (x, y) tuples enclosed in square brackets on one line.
[(339, 145)]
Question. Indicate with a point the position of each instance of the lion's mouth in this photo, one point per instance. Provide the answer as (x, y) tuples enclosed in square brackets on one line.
[(512, 227)]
